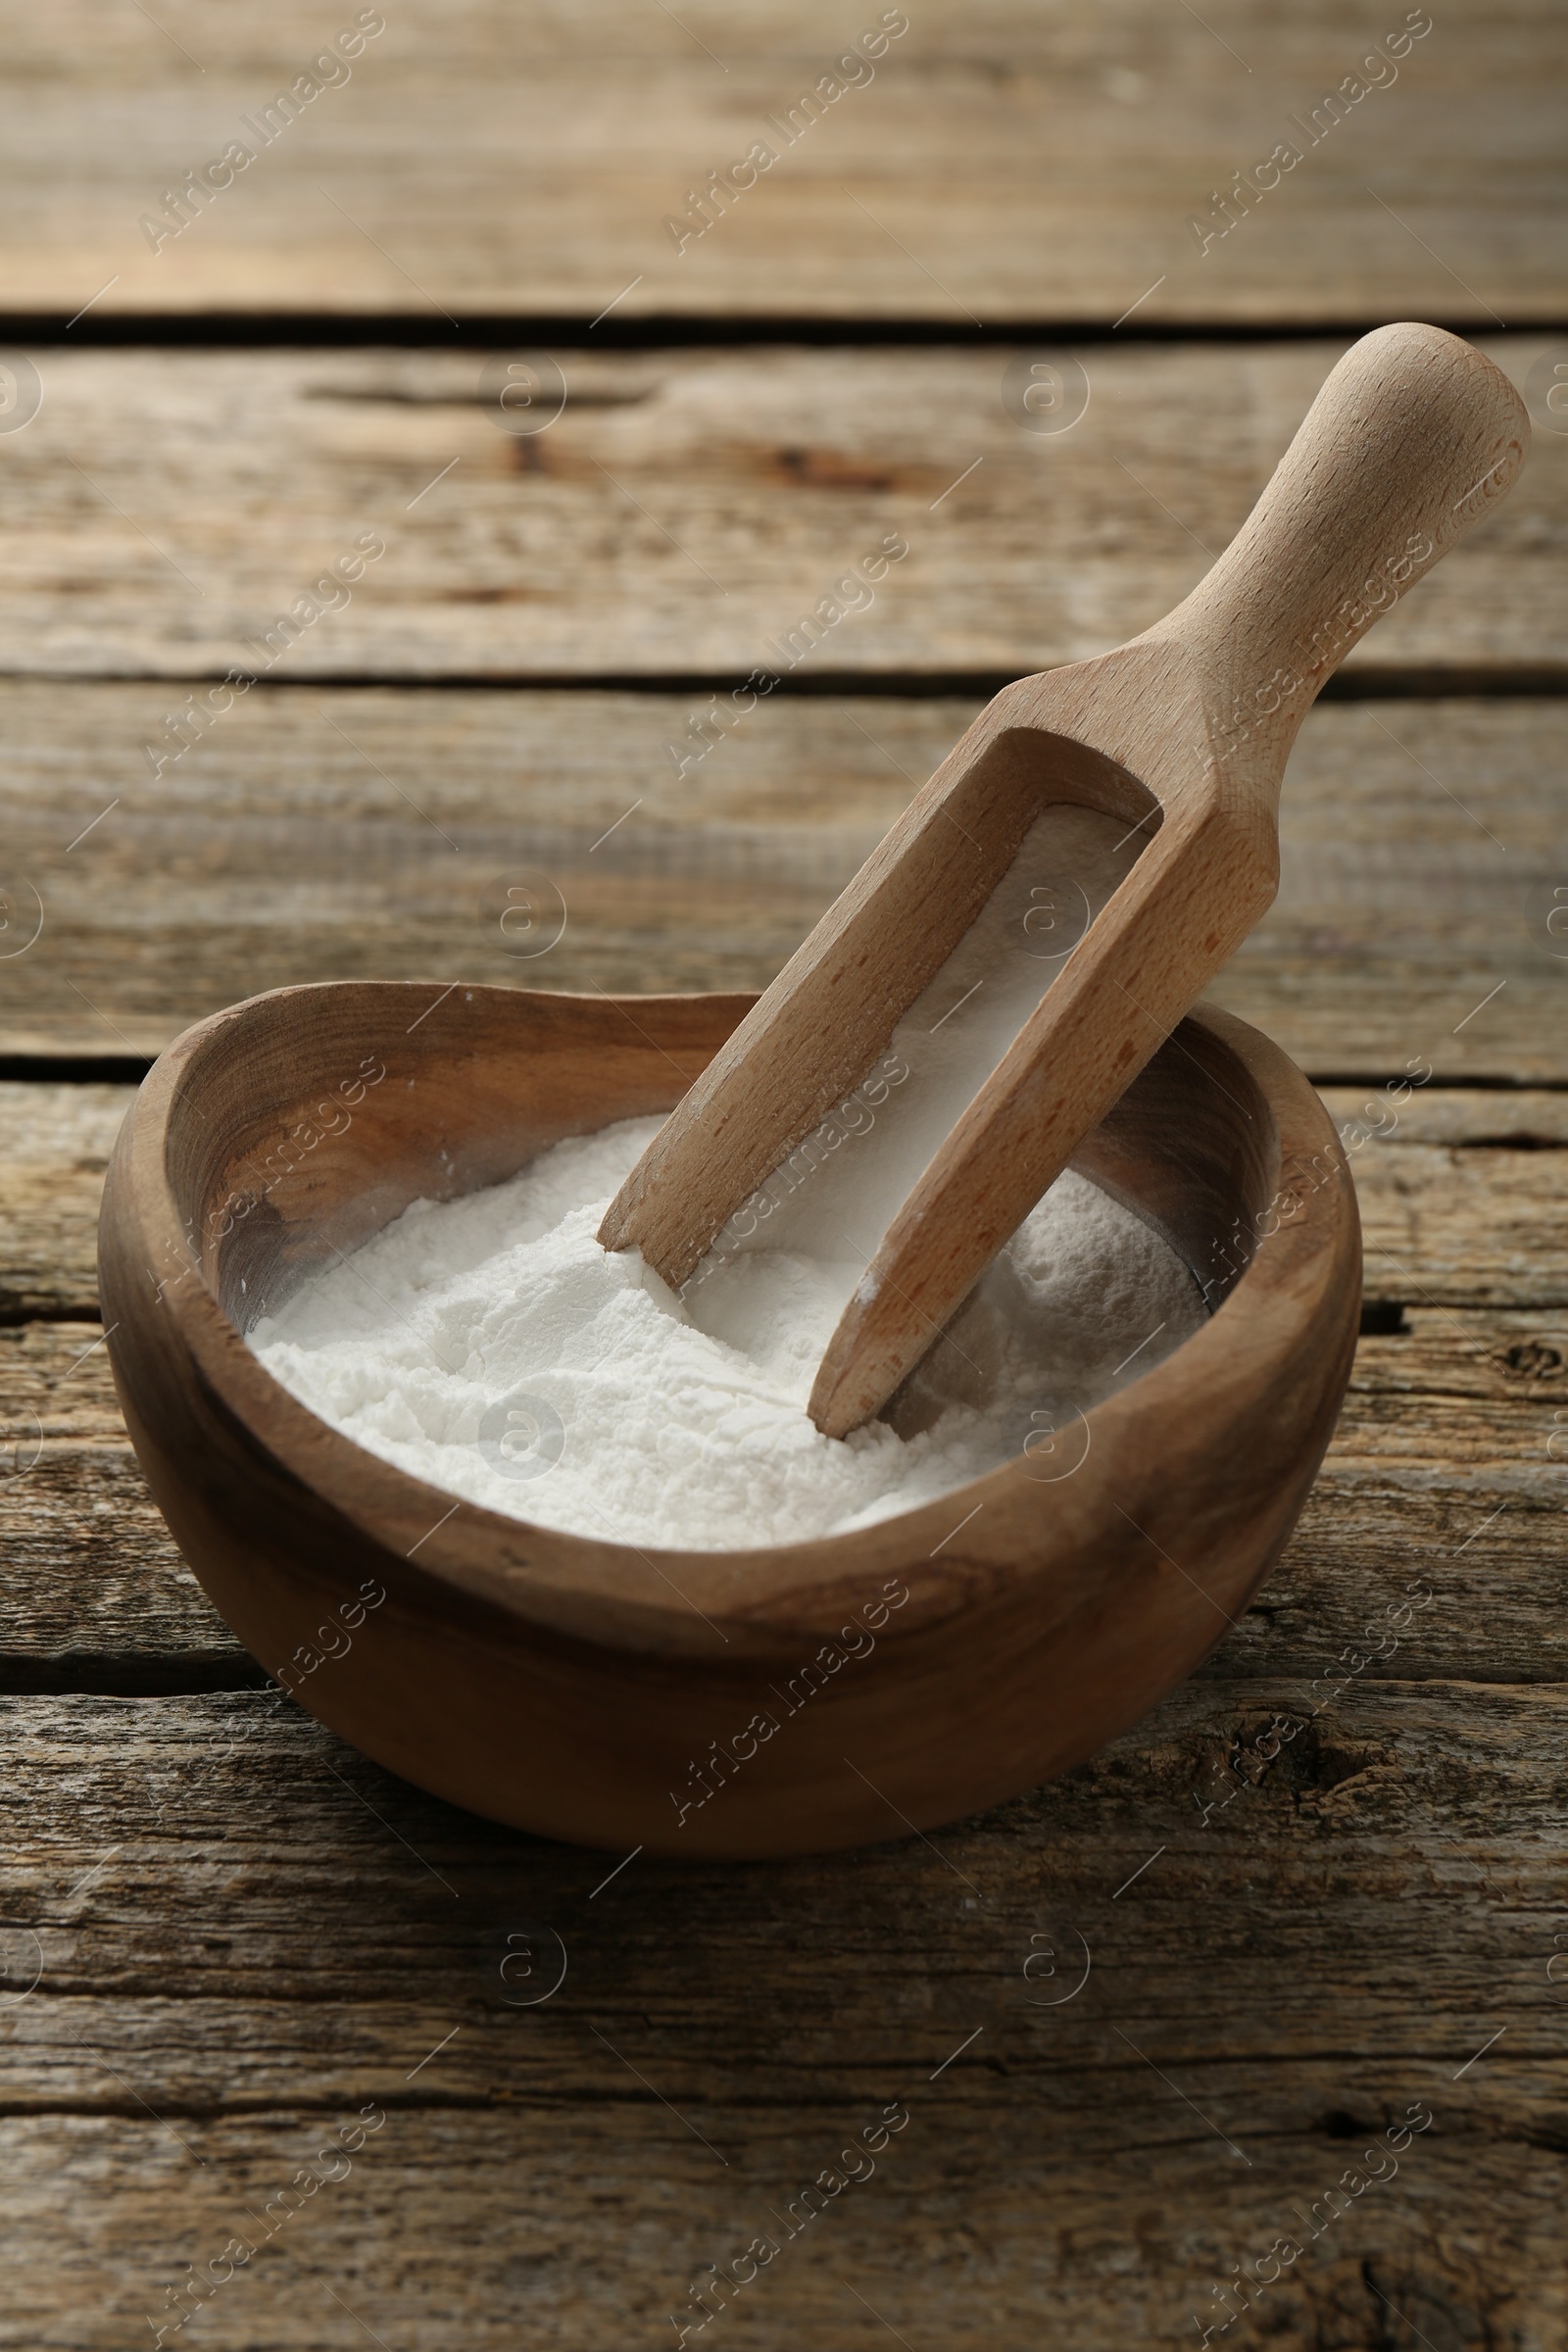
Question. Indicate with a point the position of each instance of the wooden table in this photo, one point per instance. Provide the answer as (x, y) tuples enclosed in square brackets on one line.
[(253, 2021)]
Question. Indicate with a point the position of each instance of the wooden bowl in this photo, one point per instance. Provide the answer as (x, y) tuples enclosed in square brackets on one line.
[(767, 1701)]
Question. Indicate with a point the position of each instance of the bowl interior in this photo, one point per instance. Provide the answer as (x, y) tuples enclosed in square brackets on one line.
[(309, 1119)]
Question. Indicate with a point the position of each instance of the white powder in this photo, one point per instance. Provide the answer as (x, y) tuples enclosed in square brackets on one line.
[(490, 1347), (632, 1423)]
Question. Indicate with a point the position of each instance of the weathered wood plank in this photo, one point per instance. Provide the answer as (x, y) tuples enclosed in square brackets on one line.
[(333, 833), (681, 516), (1445, 1227), (1393, 1785), (1285, 1977), (95, 1595), (516, 2228), (1502, 1119), (55, 1142), (535, 2247), (1005, 163)]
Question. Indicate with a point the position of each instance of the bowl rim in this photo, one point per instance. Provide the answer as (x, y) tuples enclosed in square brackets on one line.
[(546, 1574)]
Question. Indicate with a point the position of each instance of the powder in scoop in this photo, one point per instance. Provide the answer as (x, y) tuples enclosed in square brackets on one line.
[(834, 1199), (489, 1345)]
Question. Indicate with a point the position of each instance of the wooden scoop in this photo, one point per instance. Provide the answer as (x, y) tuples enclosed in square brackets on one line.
[(1184, 734)]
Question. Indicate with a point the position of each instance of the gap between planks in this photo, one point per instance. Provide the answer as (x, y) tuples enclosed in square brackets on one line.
[(130, 1069), (672, 330), (1425, 683)]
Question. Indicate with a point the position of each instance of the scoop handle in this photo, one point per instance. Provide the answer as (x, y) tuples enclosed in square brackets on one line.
[(1412, 439)]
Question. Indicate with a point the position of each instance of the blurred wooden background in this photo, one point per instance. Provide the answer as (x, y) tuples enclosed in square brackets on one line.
[(223, 1934)]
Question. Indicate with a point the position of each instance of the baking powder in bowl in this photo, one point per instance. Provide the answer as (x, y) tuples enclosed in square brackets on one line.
[(489, 1345)]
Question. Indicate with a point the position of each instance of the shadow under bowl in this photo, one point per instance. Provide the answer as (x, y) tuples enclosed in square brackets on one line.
[(777, 1701)]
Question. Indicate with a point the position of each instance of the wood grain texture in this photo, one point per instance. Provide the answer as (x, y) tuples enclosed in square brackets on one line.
[(351, 833), (1005, 163), (257, 1955), (229, 1934), (96, 1595), (681, 516), (57, 1141)]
